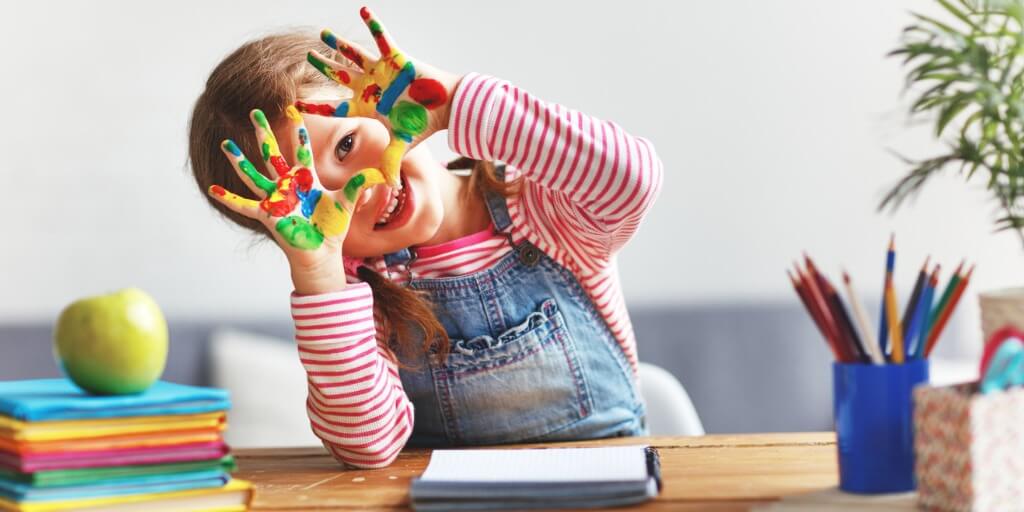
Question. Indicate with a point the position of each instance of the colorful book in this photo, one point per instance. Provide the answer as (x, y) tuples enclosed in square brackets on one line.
[(67, 477), (235, 495), (150, 484), (60, 399), (16, 430)]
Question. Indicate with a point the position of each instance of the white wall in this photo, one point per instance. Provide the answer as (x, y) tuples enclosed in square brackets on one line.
[(772, 118)]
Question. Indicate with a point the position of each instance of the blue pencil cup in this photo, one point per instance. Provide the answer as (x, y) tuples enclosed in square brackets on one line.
[(873, 409)]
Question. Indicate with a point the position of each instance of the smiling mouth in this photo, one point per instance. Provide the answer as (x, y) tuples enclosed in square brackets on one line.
[(399, 199)]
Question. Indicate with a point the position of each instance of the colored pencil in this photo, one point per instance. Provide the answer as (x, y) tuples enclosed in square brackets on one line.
[(911, 315), (867, 335), (947, 312), (891, 309), (802, 293), (809, 279), (884, 314), (911, 309), (843, 322), (843, 340), (947, 294), (924, 309), (817, 306)]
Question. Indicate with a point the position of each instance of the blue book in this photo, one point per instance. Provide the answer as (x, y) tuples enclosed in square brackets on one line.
[(60, 399), (116, 487)]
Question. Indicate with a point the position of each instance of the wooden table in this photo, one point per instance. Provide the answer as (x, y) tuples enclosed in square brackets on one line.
[(715, 472)]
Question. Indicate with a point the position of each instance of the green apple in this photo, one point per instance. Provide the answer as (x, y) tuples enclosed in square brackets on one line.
[(113, 344)]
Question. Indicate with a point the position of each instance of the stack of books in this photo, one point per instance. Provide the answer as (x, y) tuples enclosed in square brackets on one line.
[(64, 449)]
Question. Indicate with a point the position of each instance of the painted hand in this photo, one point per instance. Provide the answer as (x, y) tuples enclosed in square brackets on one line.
[(293, 204), (412, 99)]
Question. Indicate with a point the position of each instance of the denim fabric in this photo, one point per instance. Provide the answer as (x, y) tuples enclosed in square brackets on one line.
[(531, 358)]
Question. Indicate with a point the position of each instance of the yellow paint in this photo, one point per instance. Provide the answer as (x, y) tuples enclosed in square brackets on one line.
[(330, 218), (391, 162), (293, 114)]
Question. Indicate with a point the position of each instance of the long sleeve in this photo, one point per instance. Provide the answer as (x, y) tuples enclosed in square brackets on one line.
[(356, 404), (593, 181)]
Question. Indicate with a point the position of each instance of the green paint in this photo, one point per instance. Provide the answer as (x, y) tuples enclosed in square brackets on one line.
[(299, 233), (374, 27), (353, 186), (305, 157), (258, 179), (261, 119), (408, 118), (265, 149), (319, 65)]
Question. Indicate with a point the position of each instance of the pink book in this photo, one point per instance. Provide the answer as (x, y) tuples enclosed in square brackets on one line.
[(29, 463)]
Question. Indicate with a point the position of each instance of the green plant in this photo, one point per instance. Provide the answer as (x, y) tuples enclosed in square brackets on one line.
[(971, 72)]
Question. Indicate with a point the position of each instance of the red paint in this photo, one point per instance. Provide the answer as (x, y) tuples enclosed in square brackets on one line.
[(385, 48), (428, 92), (365, 13), (304, 179), (371, 91), (218, 190), (280, 164), (315, 108), (288, 200), (350, 54)]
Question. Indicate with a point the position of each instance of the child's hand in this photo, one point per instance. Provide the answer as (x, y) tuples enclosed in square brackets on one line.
[(306, 222), (411, 98)]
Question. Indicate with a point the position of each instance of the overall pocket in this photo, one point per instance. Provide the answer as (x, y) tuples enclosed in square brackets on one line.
[(523, 383)]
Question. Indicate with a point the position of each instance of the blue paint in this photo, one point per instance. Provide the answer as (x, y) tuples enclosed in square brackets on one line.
[(232, 147), (402, 135), (309, 200), (328, 37), (342, 110), (397, 87)]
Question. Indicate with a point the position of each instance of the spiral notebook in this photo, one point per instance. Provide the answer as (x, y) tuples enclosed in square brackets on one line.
[(492, 479)]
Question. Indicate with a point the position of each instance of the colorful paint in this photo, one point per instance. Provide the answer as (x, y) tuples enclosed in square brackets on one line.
[(428, 92), (319, 217), (388, 89), (323, 109), (299, 233), (408, 120), (338, 75)]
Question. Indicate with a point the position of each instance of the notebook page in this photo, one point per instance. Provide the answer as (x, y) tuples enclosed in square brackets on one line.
[(603, 464)]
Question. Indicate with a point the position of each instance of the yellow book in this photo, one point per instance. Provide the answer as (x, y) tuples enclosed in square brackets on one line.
[(234, 496), (54, 430)]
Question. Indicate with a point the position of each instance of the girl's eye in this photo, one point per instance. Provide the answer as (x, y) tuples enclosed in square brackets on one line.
[(344, 146)]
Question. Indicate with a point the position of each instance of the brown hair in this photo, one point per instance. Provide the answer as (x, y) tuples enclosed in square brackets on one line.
[(271, 73)]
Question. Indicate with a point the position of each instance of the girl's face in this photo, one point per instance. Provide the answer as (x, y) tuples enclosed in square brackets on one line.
[(342, 146)]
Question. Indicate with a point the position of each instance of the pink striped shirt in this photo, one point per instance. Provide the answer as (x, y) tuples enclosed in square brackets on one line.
[(587, 186)]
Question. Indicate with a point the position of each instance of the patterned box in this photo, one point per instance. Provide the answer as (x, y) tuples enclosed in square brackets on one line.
[(969, 448)]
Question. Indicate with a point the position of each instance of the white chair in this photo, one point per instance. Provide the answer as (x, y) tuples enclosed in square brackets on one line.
[(669, 409)]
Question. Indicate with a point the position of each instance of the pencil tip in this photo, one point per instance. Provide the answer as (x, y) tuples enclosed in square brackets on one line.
[(892, 241), (927, 260)]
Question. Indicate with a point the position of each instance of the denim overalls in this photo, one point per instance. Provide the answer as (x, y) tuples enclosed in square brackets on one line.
[(531, 359)]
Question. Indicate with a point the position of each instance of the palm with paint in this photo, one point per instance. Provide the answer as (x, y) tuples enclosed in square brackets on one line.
[(411, 98), (306, 222)]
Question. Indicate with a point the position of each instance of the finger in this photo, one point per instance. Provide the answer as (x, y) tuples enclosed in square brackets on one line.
[(235, 202), (258, 183), (391, 161), (349, 50), (269, 149), (384, 42), (323, 109), (334, 70), (303, 149)]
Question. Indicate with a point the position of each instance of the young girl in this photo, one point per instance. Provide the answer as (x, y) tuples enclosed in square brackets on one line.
[(433, 308)]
